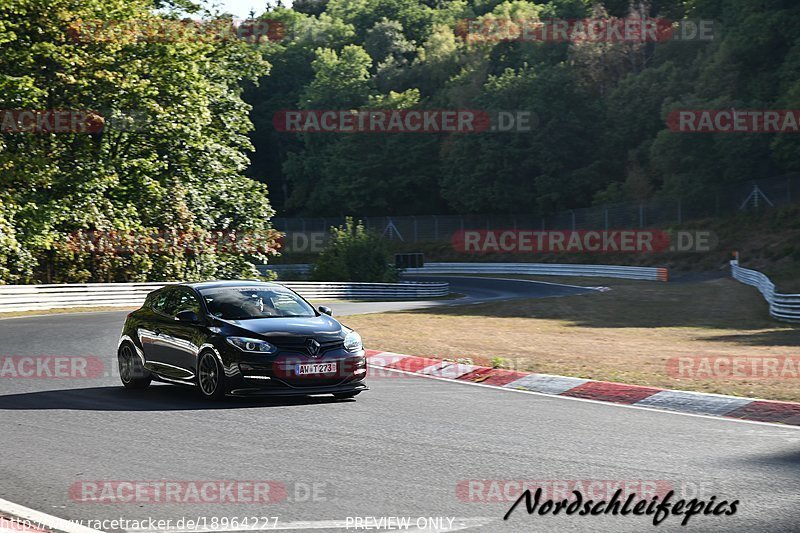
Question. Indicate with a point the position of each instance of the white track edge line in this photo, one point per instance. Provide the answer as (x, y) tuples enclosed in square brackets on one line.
[(458, 525), (43, 519)]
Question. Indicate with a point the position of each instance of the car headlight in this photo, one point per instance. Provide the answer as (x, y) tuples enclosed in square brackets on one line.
[(251, 345), (352, 342)]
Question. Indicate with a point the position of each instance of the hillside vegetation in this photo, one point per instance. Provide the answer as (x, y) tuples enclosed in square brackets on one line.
[(600, 132)]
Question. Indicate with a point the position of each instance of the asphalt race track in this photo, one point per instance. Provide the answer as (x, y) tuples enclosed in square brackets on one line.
[(484, 289), (473, 290), (406, 448)]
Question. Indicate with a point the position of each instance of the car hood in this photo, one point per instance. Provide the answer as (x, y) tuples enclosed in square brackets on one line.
[(319, 326)]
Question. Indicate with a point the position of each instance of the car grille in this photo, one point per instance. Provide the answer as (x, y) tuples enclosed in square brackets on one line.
[(299, 345)]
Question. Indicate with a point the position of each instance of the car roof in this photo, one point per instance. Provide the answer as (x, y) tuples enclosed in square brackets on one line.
[(219, 284)]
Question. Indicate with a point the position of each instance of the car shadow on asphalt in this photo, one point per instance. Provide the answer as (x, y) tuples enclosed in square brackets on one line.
[(783, 460), (156, 398)]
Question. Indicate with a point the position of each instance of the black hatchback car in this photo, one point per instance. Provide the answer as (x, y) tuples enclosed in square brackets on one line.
[(240, 337)]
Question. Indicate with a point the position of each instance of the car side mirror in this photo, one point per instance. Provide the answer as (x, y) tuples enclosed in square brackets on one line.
[(325, 310), (189, 317)]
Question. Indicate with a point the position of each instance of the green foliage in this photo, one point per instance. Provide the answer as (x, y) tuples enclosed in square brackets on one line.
[(413, 15), (353, 254), (16, 263), (601, 107), (499, 362), (194, 110), (171, 155), (341, 80)]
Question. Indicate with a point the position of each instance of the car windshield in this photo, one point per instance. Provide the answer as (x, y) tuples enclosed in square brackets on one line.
[(241, 303)]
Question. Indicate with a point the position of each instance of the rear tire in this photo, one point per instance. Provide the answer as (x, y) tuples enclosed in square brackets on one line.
[(131, 371), (210, 377), (346, 395)]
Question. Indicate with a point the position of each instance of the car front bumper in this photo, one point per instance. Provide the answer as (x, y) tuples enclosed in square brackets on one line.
[(247, 389), (275, 375)]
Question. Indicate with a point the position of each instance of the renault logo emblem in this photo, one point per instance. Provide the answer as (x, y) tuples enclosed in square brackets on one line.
[(312, 346)]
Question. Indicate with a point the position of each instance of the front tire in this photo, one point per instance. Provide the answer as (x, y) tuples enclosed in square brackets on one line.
[(131, 371), (210, 377)]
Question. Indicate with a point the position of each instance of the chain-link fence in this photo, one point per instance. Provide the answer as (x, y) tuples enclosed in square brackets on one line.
[(770, 192)]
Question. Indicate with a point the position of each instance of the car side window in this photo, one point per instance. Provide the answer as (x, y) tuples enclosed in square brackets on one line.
[(161, 301), (184, 300)]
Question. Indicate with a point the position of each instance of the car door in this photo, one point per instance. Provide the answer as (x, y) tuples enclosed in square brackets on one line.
[(182, 339), (149, 331)]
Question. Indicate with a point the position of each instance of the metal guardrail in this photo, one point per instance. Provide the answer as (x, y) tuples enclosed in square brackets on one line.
[(538, 269), (784, 307), (391, 291), (41, 297), (300, 269), (544, 269)]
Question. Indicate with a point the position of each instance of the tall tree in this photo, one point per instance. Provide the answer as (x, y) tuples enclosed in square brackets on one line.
[(171, 151)]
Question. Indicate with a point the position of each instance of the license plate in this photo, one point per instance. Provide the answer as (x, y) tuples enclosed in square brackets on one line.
[(315, 368)]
